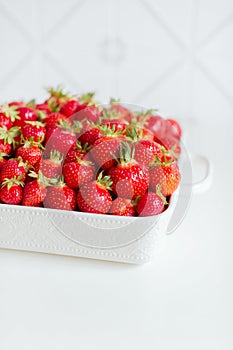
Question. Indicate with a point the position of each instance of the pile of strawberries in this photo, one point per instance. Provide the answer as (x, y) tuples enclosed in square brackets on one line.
[(71, 153)]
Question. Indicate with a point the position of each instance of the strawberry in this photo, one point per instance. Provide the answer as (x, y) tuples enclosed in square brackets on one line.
[(54, 119), (146, 151), (8, 115), (78, 151), (130, 179), (122, 207), (165, 174), (60, 197), (153, 122), (43, 107), (13, 168), (124, 112), (34, 131), (171, 144), (94, 197), (116, 124), (11, 191), (51, 167), (60, 140), (173, 128), (35, 191), (70, 107), (8, 138), (57, 97), (151, 203), (89, 133), (78, 172), (30, 153), (90, 113), (26, 114), (2, 159), (106, 149)]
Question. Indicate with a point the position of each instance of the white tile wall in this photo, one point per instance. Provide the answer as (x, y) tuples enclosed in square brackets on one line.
[(177, 55)]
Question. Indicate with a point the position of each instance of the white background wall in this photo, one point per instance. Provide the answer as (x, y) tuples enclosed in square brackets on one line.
[(176, 55)]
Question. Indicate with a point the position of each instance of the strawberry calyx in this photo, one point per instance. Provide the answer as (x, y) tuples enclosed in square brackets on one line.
[(43, 180), (87, 98), (110, 114), (83, 148), (84, 162), (31, 104), (30, 142), (13, 181), (65, 125), (37, 124), (134, 134), (2, 155), (104, 181), (109, 130), (160, 195), (126, 154), (114, 101), (53, 105), (10, 112), (9, 135), (141, 117), (41, 115), (56, 157), (163, 163), (58, 92)]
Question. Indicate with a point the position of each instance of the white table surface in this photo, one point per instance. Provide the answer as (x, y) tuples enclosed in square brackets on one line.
[(182, 300)]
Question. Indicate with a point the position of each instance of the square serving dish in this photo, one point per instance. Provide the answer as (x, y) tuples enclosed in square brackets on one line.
[(105, 237)]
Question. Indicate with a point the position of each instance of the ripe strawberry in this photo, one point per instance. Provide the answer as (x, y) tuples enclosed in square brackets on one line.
[(35, 191), (54, 119), (151, 203), (11, 191), (153, 122), (13, 168), (44, 107), (30, 153), (89, 133), (173, 128), (34, 131), (165, 174), (106, 149), (8, 138), (57, 97), (26, 114), (78, 172), (2, 159), (130, 179), (90, 113), (94, 197), (78, 151), (8, 115), (115, 124), (146, 151), (122, 207), (60, 197), (51, 167), (124, 112), (70, 107), (171, 144), (60, 140)]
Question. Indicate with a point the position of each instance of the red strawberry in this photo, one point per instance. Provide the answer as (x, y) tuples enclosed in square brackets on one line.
[(122, 207), (30, 153), (26, 114), (8, 138), (2, 159), (78, 151), (54, 119), (44, 107), (166, 175), (77, 173), (89, 133), (146, 151), (13, 168), (129, 178), (106, 149), (8, 115), (57, 96), (16, 103), (60, 197), (11, 191), (90, 113), (124, 112), (35, 191), (151, 203), (116, 124), (34, 131), (94, 197), (70, 107), (60, 140), (173, 128), (51, 167), (171, 144)]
